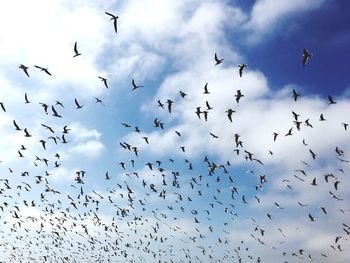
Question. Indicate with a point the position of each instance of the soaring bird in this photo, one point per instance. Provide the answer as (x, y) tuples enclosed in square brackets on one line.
[(306, 56), (217, 61), (26, 98), (275, 134), (54, 112), (134, 86), (114, 18), (16, 126), (104, 80), (238, 96), (2, 106), (206, 89), (229, 114), (241, 68), (331, 101), (76, 52), (77, 103), (170, 103), (43, 69), (25, 69), (295, 95), (99, 101)]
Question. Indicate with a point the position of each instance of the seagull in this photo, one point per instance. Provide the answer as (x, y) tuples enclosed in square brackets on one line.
[(182, 94), (345, 125), (238, 96), (206, 89), (76, 52), (26, 98), (25, 69), (114, 18), (134, 85), (331, 101), (54, 112), (98, 101), (16, 126), (306, 56), (43, 69), (241, 68), (275, 134), (2, 106), (78, 105), (170, 103), (295, 95), (322, 117), (217, 61), (104, 80), (229, 114)]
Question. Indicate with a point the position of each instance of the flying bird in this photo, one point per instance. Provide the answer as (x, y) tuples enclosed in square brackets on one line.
[(26, 98), (241, 68), (104, 80), (78, 105), (238, 96), (2, 106), (25, 69), (330, 100), (114, 18), (217, 61), (43, 69), (295, 95), (134, 86), (306, 56), (206, 89), (76, 52)]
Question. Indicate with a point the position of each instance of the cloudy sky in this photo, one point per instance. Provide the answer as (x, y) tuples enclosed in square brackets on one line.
[(99, 172)]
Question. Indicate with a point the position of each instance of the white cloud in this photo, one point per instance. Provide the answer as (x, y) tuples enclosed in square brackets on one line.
[(266, 15)]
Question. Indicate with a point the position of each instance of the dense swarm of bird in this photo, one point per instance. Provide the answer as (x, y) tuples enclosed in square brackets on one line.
[(72, 227)]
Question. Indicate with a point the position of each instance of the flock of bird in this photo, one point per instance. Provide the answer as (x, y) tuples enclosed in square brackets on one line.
[(156, 211)]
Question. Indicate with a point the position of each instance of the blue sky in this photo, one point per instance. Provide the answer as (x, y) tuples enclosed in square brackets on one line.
[(168, 47)]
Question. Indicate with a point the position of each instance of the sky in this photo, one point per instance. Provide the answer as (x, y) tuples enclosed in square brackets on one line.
[(106, 172)]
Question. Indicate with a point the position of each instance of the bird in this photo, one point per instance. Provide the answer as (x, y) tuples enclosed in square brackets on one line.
[(78, 105), (322, 117), (238, 96), (217, 61), (306, 56), (275, 134), (43, 69), (76, 52), (99, 101), (2, 106), (134, 86), (26, 98), (170, 103), (25, 69), (330, 100), (16, 126), (345, 125), (104, 80), (312, 218), (313, 155), (295, 95), (54, 112), (229, 114), (289, 132), (114, 18), (241, 68), (206, 89), (182, 94)]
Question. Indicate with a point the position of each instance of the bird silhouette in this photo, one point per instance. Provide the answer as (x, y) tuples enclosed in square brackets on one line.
[(25, 69), (114, 18), (134, 86), (306, 56), (76, 52), (217, 61), (241, 69)]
